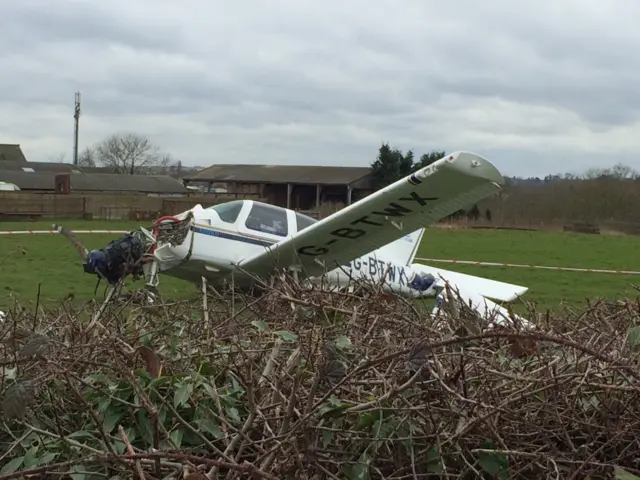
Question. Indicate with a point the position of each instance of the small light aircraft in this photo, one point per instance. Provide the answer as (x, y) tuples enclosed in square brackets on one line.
[(375, 239)]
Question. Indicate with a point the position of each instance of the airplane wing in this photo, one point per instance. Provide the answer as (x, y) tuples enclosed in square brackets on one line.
[(426, 196)]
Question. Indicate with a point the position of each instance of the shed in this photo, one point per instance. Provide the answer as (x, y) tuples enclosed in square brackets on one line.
[(293, 186)]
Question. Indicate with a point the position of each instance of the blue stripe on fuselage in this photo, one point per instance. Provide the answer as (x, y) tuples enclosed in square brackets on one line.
[(231, 236)]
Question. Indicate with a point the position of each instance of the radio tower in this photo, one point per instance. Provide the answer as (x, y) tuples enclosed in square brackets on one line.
[(76, 116)]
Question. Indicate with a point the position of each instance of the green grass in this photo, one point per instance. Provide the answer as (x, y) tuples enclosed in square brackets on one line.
[(26, 260), (546, 287), (52, 262)]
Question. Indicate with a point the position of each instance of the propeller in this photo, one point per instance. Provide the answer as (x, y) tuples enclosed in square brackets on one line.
[(80, 248)]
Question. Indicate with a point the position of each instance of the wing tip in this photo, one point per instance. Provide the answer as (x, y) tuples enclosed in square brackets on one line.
[(475, 165)]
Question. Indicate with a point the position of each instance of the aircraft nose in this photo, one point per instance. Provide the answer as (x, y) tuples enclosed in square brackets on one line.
[(475, 166)]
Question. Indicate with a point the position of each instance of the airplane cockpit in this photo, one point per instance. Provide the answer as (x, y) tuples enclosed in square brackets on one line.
[(261, 218)]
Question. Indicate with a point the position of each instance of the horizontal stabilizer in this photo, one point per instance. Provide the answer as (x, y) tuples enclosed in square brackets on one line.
[(493, 313), (505, 292)]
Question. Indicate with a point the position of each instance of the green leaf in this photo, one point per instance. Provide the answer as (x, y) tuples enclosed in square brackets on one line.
[(47, 458), (31, 458), (211, 427), (622, 474), (233, 414), (104, 404), (13, 465), (145, 426), (176, 437), (111, 418), (327, 436), (367, 419), (119, 447), (97, 378), (182, 394), (287, 336), (360, 471), (17, 398), (633, 336), (130, 432), (80, 434), (496, 465), (343, 342), (260, 325), (76, 475), (434, 465)]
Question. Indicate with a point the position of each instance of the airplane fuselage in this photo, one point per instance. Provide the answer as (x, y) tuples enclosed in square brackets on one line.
[(235, 242), (213, 248)]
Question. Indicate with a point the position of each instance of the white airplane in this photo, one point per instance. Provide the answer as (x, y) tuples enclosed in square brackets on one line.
[(372, 240)]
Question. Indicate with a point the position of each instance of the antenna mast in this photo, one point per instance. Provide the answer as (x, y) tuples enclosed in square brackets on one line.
[(76, 116)]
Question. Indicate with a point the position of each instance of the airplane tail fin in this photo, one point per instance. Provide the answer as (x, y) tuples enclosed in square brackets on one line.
[(403, 250)]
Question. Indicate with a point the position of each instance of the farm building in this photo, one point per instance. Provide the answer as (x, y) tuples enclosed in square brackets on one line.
[(50, 182), (302, 187), (11, 153), (39, 167)]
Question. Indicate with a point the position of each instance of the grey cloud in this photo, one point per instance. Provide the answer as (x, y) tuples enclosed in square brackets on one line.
[(295, 82), (34, 22), (561, 55)]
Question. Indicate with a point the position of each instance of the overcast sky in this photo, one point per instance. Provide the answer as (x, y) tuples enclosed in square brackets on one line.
[(535, 86)]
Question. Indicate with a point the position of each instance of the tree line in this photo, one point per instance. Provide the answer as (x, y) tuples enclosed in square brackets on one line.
[(610, 194)]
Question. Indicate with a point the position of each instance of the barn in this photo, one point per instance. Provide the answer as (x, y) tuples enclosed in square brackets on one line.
[(301, 187)]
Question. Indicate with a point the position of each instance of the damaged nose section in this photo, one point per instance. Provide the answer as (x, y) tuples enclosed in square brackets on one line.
[(171, 245)]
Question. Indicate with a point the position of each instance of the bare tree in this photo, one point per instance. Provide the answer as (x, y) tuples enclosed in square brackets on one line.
[(87, 157), (128, 153), (618, 171), (59, 158)]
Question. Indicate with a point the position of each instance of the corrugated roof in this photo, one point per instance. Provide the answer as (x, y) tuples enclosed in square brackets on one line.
[(40, 167), (105, 182), (96, 170), (305, 174), (28, 180), (11, 153), (96, 182)]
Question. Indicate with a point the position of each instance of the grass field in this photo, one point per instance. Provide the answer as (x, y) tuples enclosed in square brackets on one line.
[(49, 260)]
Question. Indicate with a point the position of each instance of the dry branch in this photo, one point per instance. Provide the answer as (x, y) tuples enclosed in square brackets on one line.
[(346, 386)]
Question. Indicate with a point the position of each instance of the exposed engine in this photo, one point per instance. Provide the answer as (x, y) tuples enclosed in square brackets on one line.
[(422, 282), (121, 257)]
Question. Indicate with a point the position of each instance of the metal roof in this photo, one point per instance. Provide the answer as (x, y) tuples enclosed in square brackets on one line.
[(107, 182), (11, 153), (301, 174), (40, 167), (95, 182), (28, 180), (96, 170)]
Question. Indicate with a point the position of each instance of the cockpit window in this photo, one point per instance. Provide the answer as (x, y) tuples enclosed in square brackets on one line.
[(229, 211), (268, 219), (304, 221)]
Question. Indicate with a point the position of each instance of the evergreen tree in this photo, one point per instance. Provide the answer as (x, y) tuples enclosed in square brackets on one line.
[(391, 165), (427, 159)]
